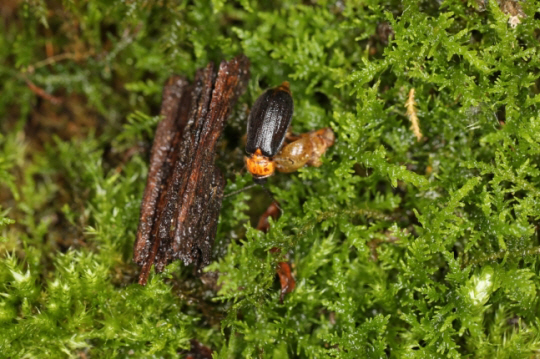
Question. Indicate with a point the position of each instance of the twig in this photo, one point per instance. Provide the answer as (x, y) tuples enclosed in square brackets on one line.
[(411, 112), (42, 93), (56, 58)]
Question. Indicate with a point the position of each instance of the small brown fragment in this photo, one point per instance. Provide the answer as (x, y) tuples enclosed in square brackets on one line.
[(271, 211), (285, 279), (513, 9), (184, 191)]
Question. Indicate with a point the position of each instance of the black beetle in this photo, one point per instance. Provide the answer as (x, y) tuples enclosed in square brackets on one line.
[(267, 127)]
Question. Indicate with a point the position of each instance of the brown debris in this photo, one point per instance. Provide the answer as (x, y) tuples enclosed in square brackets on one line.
[(286, 280), (271, 211), (513, 9), (184, 189)]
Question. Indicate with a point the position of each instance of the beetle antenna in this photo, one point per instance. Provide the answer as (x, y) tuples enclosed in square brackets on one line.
[(239, 190), (267, 191), (260, 183)]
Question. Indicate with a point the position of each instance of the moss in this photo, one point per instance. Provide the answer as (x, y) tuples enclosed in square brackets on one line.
[(400, 247)]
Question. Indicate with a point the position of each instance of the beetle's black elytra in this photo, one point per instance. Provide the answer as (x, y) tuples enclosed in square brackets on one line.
[(269, 120)]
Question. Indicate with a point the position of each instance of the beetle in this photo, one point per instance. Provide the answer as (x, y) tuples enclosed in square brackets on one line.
[(268, 122), (267, 130)]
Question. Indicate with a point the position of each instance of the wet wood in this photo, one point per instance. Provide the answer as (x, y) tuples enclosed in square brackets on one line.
[(184, 189), (174, 92)]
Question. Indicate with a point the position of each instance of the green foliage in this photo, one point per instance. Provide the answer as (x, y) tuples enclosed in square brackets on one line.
[(400, 248)]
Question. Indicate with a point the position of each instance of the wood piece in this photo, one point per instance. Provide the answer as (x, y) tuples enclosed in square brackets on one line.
[(174, 91), (183, 197)]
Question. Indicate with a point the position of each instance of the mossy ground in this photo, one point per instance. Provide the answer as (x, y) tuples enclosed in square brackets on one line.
[(400, 247)]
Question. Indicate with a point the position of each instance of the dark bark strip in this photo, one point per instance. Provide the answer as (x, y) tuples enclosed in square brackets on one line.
[(173, 93), (184, 190)]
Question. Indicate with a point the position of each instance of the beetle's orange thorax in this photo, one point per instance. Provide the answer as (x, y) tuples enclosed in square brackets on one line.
[(260, 166)]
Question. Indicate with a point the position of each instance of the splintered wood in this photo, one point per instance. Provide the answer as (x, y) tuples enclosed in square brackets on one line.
[(183, 193)]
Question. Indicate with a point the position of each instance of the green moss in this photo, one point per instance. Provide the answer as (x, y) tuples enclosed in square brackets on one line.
[(400, 248)]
